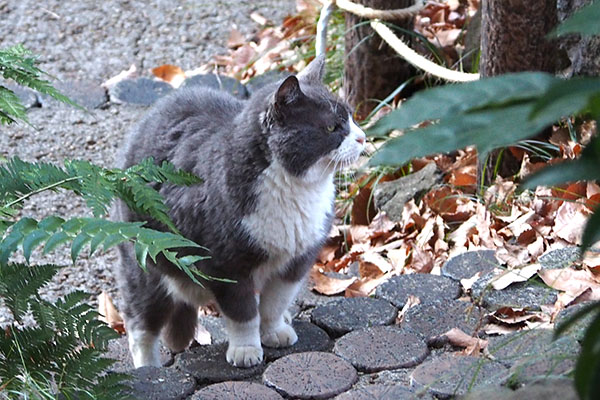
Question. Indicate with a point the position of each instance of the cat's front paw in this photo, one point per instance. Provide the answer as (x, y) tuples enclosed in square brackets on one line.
[(244, 356), (284, 336)]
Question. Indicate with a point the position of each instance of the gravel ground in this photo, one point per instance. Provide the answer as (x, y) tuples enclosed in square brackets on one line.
[(93, 41)]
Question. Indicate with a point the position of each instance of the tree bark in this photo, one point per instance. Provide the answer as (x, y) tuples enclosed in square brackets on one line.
[(583, 52), (372, 70), (513, 39), (514, 36)]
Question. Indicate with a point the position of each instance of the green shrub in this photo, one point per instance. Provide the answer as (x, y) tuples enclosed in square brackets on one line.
[(55, 350)]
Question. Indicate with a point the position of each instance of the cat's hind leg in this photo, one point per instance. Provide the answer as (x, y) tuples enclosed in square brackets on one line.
[(180, 327), (275, 298), (147, 306)]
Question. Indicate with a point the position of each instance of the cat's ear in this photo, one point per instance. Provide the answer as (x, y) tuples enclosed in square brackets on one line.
[(314, 71), (288, 91)]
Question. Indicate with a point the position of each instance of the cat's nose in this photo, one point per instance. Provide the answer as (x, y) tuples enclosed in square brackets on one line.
[(361, 139)]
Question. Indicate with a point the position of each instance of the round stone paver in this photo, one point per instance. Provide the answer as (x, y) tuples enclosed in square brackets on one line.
[(530, 294), (310, 338), (350, 314), (382, 392), (428, 288), (578, 328), (434, 319), (312, 375), (140, 91), (450, 375), (560, 258), (549, 389), (151, 383), (208, 365), (381, 347), (531, 345), (466, 265), (539, 367), (216, 328), (236, 390)]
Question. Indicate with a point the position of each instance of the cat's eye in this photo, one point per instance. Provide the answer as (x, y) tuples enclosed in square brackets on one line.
[(330, 128)]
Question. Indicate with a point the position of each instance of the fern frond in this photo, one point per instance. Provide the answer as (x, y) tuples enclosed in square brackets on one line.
[(19, 282), (62, 353), (17, 63), (29, 234), (11, 106), (99, 186)]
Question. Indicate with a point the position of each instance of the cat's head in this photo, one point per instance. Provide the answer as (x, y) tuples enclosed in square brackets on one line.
[(311, 131)]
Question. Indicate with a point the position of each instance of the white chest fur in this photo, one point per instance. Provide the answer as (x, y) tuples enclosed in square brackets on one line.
[(290, 214)]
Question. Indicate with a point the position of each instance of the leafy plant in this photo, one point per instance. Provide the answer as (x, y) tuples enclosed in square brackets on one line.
[(56, 349), (501, 111), (19, 65)]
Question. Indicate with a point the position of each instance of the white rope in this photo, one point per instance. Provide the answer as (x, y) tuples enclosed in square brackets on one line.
[(388, 36), (326, 11), (418, 60)]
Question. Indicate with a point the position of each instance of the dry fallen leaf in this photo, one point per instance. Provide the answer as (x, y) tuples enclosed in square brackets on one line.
[(328, 285), (109, 314), (121, 76), (572, 281), (171, 74), (515, 275), (202, 336), (472, 345)]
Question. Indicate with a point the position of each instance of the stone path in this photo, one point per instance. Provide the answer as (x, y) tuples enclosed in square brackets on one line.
[(348, 348), (370, 356)]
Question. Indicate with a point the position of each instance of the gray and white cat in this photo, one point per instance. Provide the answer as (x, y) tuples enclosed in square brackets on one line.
[(264, 210)]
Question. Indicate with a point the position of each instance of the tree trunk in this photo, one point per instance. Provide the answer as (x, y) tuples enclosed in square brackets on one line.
[(513, 36), (583, 52), (372, 69), (513, 39)]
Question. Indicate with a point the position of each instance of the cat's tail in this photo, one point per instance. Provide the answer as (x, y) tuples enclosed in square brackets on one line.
[(179, 329)]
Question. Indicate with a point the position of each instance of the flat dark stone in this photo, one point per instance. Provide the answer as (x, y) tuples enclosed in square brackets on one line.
[(87, 94), (349, 314), (382, 392), (531, 345), (236, 390), (540, 367), (27, 97), (577, 329), (310, 338), (265, 79), (381, 347), (140, 91), (435, 319), (548, 389), (466, 265), (428, 288), (450, 375), (529, 295), (391, 196), (208, 365), (214, 326), (218, 82), (492, 391), (151, 383), (560, 258), (118, 349), (312, 375)]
